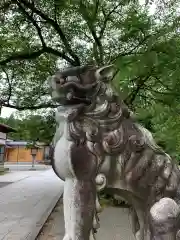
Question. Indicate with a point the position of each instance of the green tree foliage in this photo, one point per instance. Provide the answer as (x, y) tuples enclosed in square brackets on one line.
[(37, 37), (32, 127)]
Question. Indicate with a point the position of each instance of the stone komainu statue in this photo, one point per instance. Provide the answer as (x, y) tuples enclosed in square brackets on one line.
[(98, 145)]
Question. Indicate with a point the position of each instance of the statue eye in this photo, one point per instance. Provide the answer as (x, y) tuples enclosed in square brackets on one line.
[(60, 80), (57, 81)]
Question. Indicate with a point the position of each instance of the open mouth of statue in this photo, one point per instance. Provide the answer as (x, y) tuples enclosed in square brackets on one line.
[(75, 96), (74, 93), (76, 101), (72, 99)]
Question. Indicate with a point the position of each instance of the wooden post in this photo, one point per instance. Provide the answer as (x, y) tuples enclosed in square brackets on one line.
[(1, 158)]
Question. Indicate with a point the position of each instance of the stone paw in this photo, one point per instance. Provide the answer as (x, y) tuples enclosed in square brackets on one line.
[(139, 235), (67, 237)]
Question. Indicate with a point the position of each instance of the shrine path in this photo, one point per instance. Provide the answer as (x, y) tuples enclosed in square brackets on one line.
[(115, 225)]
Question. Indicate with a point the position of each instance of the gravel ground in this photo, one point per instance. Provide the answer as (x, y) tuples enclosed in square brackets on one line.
[(114, 225)]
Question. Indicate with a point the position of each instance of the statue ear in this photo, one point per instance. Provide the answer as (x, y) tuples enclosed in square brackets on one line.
[(105, 73)]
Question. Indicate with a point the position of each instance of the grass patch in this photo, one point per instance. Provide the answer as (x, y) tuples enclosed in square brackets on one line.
[(105, 202), (108, 200), (4, 171)]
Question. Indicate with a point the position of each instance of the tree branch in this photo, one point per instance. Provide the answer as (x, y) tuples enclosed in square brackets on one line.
[(56, 27), (157, 100), (38, 53), (84, 13), (4, 6), (44, 47), (55, 11), (33, 21), (162, 93), (22, 108), (163, 84), (146, 99), (106, 19), (141, 80), (96, 8), (9, 86), (132, 50), (60, 54), (22, 56), (131, 97)]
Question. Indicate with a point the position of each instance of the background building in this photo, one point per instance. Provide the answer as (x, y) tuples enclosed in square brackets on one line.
[(4, 130), (18, 152)]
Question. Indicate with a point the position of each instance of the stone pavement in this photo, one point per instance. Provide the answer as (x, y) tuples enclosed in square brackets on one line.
[(21, 166), (115, 225), (16, 176), (27, 202)]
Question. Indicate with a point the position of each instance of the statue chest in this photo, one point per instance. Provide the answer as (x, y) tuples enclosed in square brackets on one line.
[(62, 157)]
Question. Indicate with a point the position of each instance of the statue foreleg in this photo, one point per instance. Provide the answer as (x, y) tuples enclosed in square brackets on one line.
[(80, 195), (79, 204)]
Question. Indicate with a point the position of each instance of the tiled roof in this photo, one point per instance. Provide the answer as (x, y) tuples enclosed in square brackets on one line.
[(5, 128)]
